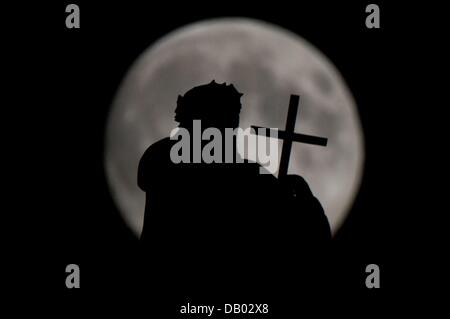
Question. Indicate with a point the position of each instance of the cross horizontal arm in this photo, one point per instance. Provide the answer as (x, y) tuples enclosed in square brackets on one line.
[(295, 137)]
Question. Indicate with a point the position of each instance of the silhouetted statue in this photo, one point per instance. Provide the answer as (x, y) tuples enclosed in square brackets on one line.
[(200, 215)]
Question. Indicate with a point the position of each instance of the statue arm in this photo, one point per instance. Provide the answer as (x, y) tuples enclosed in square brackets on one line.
[(312, 212)]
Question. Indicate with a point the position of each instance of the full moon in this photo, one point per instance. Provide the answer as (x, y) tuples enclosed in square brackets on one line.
[(267, 64)]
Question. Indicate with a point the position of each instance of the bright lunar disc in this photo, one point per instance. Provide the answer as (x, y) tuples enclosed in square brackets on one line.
[(267, 64)]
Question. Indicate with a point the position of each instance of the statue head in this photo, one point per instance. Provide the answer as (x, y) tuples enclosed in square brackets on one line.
[(216, 105)]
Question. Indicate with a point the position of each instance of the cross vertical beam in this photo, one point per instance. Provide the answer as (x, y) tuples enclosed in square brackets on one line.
[(287, 143)]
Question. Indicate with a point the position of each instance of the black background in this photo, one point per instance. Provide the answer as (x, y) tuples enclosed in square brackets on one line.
[(72, 76)]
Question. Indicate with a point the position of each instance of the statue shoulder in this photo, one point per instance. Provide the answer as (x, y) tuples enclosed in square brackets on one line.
[(158, 150), (156, 157)]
